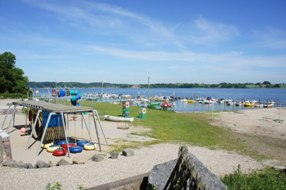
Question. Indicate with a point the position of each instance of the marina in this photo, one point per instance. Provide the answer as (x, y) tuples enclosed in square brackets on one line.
[(182, 99)]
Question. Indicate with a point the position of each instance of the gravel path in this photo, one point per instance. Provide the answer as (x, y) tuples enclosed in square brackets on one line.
[(96, 173)]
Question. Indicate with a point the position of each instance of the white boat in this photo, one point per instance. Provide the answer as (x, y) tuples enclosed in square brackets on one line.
[(269, 104), (117, 118), (209, 100), (238, 103)]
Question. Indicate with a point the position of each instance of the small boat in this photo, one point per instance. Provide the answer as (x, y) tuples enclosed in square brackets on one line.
[(117, 118), (259, 105), (154, 105), (229, 102), (209, 100), (191, 101), (238, 103), (249, 103), (269, 105)]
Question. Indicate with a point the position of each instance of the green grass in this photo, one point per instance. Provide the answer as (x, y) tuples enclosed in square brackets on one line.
[(267, 179), (168, 126)]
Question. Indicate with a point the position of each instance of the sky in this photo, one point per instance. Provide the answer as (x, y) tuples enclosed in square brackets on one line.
[(129, 41)]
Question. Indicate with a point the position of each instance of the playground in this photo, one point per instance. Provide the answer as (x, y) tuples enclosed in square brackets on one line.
[(79, 126)]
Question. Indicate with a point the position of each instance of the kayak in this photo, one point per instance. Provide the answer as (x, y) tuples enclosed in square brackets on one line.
[(116, 118)]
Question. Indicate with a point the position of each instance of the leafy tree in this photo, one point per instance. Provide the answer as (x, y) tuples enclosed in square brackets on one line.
[(266, 83), (12, 79)]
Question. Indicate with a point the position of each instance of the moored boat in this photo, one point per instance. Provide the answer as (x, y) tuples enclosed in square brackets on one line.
[(209, 100), (269, 105), (191, 101), (249, 103), (238, 103), (154, 105), (117, 118)]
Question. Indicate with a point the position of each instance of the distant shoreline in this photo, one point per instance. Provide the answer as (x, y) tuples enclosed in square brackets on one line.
[(264, 84)]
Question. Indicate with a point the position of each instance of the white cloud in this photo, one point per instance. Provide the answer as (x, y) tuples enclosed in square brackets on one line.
[(234, 59), (271, 38), (211, 33)]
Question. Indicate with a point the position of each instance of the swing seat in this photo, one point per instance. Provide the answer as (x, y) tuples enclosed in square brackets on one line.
[(75, 149), (65, 146), (59, 152), (60, 142), (89, 146), (45, 146), (52, 148), (82, 143)]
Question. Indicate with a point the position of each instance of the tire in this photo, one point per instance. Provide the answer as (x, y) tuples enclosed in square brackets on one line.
[(59, 152), (45, 146), (65, 146), (52, 148), (82, 143), (89, 146), (61, 142), (75, 149)]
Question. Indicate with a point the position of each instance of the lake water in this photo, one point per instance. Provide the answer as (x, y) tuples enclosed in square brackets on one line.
[(261, 94)]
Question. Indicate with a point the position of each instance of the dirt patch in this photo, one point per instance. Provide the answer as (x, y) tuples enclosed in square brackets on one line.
[(261, 130)]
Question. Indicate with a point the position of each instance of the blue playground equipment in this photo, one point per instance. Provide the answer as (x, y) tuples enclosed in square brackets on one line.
[(75, 95)]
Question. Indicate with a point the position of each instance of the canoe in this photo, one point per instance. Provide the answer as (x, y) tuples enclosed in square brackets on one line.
[(154, 105), (116, 118)]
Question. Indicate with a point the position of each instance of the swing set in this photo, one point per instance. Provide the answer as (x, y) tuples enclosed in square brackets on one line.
[(54, 118)]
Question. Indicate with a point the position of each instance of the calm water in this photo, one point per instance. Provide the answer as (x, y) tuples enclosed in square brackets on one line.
[(262, 95)]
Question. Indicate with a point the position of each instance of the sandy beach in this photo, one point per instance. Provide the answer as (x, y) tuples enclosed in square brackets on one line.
[(259, 122)]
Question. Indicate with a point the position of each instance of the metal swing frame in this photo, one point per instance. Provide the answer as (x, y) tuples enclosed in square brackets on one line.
[(55, 109)]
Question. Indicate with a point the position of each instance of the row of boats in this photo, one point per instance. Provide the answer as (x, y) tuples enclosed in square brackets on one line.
[(169, 101), (230, 102), (156, 101)]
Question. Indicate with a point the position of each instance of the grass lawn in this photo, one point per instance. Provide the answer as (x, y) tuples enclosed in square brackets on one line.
[(168, 126)]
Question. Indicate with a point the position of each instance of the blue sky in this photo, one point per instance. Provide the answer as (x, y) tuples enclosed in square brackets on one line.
[(127, 41)]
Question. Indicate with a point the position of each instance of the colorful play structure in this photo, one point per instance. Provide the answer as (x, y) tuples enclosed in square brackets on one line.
[(74, 95), (50, 126), (142, 113), (125, 109), (165, 105)]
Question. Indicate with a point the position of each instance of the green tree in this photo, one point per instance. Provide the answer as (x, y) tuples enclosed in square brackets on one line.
[(12, 79)]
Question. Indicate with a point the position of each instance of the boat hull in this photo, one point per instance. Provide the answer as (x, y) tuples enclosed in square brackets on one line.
[(120, 119)]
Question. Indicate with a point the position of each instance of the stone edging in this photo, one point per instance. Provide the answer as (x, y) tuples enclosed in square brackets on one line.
[(62, 162)]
